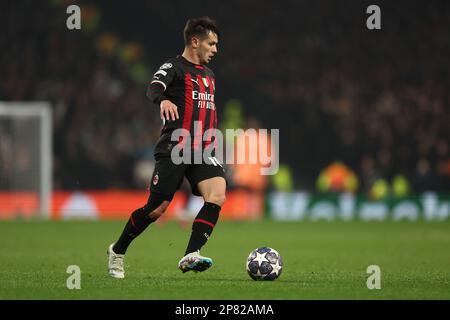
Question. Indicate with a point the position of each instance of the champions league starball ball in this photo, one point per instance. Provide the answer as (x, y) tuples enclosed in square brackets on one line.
[(264, 264)]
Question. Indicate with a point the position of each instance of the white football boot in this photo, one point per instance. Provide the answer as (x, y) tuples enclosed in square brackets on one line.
[(195, 262), (115, 263)]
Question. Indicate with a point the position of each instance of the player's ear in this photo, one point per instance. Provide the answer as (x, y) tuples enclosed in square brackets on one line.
[(195, 42)]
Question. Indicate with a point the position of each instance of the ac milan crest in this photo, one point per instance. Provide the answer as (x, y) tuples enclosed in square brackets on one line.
[(155, 179)]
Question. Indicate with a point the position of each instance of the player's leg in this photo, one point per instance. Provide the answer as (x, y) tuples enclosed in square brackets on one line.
[(209, 182), (165, 181), (140, 219), (213, 193)]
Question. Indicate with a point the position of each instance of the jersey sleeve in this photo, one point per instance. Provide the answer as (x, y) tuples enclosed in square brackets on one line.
[(165, 75)]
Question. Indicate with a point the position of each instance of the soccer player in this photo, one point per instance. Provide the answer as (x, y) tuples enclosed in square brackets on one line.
[(184, 89)]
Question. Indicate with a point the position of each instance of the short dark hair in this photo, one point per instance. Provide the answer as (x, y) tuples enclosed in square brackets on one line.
[(199, 27)]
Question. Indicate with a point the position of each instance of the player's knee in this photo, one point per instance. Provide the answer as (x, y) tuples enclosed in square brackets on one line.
[(157, 205), (156, 213), (216, 198)]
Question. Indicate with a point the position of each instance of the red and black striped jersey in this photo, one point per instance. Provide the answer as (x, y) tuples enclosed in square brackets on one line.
[(191, 87)]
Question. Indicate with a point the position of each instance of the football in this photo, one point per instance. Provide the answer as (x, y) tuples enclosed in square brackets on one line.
[(264, 264)]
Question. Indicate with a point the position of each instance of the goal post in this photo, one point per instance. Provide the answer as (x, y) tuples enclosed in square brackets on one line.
[(25, 158)]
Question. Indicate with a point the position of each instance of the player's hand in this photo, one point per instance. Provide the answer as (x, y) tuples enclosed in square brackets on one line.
[(169, 111)]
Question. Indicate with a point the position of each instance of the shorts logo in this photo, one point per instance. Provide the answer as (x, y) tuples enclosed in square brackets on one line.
[(155, 179)]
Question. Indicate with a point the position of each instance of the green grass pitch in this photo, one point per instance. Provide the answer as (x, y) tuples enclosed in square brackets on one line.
[(322, 260)]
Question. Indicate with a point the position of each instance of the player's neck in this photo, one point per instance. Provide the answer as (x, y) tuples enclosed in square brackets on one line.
[(190, 56)]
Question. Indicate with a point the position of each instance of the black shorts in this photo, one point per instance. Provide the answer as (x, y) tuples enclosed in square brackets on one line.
[(167, 176)]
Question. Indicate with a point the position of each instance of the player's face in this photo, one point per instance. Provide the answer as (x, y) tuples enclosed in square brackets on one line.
[(207, 47)]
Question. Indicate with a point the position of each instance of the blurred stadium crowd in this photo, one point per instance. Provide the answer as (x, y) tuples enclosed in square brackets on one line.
[(378, 101)]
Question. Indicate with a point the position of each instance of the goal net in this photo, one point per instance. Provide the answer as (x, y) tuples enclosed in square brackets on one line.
[(25, 159)]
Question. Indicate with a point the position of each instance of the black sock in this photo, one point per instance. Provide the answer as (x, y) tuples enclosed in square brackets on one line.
[(138, 222), (203, 226)]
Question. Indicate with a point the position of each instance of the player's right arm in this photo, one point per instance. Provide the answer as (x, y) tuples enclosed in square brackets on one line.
[(155, 91)]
